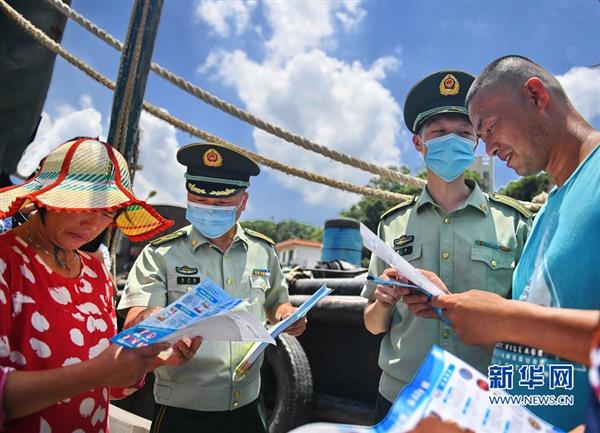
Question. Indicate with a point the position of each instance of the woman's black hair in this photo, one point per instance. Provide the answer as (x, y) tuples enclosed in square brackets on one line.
[(42, 212)]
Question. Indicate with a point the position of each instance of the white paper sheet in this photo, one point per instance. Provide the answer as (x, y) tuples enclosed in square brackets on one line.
[(386, 253), (206, 311), (448, 388)]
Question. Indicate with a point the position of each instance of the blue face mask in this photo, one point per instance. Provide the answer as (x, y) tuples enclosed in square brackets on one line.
[(211, 221), (449, 156)]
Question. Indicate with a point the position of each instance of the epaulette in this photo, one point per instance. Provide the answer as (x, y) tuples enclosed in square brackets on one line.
[(408, 202), (259, 235), (168, 238), (514, 203)]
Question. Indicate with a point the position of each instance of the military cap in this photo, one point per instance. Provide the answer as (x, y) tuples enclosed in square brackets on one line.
[(214, 170), (440, 92)]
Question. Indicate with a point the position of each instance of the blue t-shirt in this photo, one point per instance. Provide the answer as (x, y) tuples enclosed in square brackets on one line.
[(559, 267)]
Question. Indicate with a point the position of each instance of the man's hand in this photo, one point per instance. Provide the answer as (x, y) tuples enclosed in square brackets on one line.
[(179, 353), (476, 316), (388, 295), (283, 311), (419, 304), (297, 328), (136, 315)]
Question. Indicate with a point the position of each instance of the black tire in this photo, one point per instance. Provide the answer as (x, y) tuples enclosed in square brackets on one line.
[(287, 385)]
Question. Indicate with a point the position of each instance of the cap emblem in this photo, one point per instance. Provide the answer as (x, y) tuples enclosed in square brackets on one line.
[(449, 85), (212, 158)]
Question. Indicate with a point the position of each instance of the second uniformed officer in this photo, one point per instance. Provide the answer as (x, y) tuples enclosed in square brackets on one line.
[(202, 396), (468, 238)]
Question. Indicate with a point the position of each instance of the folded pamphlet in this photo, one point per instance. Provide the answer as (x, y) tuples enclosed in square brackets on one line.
[(386, 253), (259, 347), (207, 311), (448, 388)]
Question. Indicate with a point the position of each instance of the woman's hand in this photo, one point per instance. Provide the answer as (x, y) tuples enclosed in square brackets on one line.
[(124, 367)]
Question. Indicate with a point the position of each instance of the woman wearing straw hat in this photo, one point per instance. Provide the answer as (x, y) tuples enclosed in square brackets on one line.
[(56, 302)]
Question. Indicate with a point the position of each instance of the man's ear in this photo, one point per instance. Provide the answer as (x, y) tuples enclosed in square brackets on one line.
[(244, 201), (535, 90), (419, 145)]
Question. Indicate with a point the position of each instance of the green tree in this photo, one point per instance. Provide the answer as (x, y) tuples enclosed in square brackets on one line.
[(474, 175), (528, 187), (286, 229), (369, 209)]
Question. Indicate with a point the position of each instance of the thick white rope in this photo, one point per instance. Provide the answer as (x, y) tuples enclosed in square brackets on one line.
[(46, 41), (239, 113)]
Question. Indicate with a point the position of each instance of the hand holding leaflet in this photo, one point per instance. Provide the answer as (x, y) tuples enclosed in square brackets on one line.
[(257, 348), (448, 388), (394, 283), (386, 253), (206, 311), (411, 287)]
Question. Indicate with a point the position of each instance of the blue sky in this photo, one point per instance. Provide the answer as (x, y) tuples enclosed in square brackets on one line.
[(335, 72)]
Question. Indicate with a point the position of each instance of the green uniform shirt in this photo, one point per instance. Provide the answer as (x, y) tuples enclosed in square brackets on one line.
[(474, 247), (205, 382)]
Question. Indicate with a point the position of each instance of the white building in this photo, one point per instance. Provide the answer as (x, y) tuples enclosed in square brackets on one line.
[(484, 165), (298, 252)]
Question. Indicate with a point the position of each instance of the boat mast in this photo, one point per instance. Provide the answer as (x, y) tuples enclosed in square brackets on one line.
[(130, 87)]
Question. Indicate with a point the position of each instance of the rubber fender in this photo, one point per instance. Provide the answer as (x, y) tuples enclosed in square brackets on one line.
[(288, 385)]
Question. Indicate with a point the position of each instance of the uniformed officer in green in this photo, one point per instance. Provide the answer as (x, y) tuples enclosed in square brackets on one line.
[(202, 396), (469, 238)]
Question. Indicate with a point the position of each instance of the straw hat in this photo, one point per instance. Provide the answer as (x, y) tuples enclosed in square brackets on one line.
[(84, 175)]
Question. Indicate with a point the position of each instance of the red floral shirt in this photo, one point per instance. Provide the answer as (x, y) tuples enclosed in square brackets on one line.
[(48, 321)]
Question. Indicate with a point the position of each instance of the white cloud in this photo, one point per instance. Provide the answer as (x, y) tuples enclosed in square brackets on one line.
[(583, 87), (351, 15), (86, 101), (223, 17), (160, 170), (68, 123), (340, 104), (301, 26)]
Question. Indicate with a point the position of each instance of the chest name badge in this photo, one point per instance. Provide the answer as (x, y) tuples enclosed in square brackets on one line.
[(186, 270), (404, 250), (188, 280)]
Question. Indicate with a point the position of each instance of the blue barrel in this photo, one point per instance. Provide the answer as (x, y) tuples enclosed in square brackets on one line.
[(341, 241)]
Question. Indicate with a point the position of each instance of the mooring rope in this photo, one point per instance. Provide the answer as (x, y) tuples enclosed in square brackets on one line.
[(45, 40), (238, 112)]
